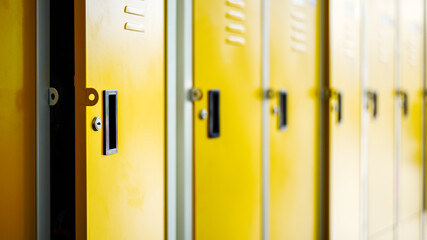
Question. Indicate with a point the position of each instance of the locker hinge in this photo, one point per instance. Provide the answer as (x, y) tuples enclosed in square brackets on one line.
[(53, 96), (195, 94), (327, 93)]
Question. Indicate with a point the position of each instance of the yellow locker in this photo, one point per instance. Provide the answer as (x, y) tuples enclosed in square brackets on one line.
[(227, 119), (409, 96), (380, 47), (17, 119), (293, 119), (119, 46), (344, 135)]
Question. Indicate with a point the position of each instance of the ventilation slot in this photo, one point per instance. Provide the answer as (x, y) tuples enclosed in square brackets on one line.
[(298, 31), (235, 26), (135, 25)]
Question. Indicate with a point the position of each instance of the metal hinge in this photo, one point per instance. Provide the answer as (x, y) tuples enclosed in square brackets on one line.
[(53, 96)]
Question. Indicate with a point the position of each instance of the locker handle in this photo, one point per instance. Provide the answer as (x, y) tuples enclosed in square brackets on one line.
[(214, 114), (339, 107), (336, 102), (283, 111), (110, 122), (405, 104), (373, 98), (404, 97)]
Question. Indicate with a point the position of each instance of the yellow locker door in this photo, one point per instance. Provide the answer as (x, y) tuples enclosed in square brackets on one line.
[(344, 119), (380, 32), (293, 119), (120, 47), (227, 119), (410, 96), (17, 119)]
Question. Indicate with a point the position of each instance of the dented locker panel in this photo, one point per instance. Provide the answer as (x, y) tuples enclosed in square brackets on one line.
[(17, 118), (344, 119), (293, 153), (380, 34), (410, 84), (120, 46), (227, 165)]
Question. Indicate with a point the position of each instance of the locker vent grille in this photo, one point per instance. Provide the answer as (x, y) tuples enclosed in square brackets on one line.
[(235, 26), (385, 38), (349, 39), (136, 14), (413, 45), (298, 31)]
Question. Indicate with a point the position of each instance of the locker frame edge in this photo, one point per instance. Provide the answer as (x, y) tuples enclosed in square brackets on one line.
[(265, 148), (323, 146), (184, 120), (364, 122), (171, 136), (42, 119), (423, 126)]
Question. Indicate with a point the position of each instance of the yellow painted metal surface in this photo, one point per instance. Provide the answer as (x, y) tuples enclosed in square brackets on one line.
[(345, 135), (17, 119), (293, 150), (227, 169), (410, 79), (121, 196), (380, 32)]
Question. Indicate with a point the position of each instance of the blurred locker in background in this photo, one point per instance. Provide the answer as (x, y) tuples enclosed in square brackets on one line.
[(379, 114), (344, 136), (18, 119), (408, 118), (227, 119), (293, 119), (119, 59)]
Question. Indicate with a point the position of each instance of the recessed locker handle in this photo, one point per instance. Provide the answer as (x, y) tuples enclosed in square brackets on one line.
[(404, 101), (214, 114), (110, 122), (374, 104), (283, 109), (405, 104), (339, 107)]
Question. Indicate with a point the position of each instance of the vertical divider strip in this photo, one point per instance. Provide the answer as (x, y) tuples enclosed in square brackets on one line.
[(171, 120), (397, 117), (364, 122), (265, 53), (423, 127), (184, 109), (323, 140)]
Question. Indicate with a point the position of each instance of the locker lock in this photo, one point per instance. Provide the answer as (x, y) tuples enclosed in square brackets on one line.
[(96, 123), (269, 94), (203, 114), (275, 110), (195, 94)]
